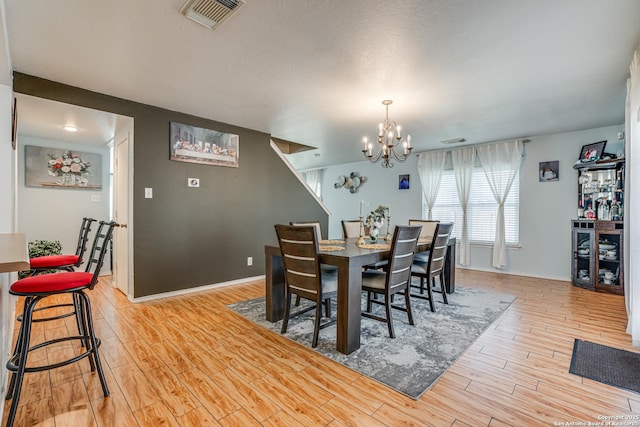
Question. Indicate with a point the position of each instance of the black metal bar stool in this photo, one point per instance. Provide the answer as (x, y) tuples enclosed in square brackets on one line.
[(35, 289)]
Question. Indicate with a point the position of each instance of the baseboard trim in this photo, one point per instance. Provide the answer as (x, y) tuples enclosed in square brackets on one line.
[(196, 289)]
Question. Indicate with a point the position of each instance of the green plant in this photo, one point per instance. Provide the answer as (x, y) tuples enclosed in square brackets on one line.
[(39, 248)]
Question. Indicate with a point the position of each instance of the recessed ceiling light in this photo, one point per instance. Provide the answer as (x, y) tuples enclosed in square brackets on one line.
[(70, 128)]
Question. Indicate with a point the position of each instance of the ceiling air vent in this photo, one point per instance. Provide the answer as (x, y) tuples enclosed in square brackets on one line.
[(210, 13)]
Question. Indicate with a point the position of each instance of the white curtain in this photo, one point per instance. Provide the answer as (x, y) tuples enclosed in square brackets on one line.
[(463, 161), (632, 202), (500, 163), (314, 180), (430, 166)]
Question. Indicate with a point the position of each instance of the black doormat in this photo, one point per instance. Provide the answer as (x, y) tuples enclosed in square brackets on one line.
[(608, 365)]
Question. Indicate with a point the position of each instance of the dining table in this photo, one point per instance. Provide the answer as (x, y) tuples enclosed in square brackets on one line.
[(350, 259)]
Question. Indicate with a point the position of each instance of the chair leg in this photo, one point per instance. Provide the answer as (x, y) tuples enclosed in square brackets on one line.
[(297, 303), (17, 348), (407, 300), (442, 288), (316, 326), (84, 299), (430, 296), (387, 306), (327, 306), (422, 285), (16, 385), (287, 312), (369, 303)]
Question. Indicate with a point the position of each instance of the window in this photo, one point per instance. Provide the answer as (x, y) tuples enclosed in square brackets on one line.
[(482, 209)]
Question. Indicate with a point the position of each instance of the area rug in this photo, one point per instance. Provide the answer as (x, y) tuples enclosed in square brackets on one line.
[(608, 365), (419, 355)]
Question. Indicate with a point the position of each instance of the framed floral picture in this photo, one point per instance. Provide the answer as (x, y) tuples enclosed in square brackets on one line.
[(205, 146), (59, 168)]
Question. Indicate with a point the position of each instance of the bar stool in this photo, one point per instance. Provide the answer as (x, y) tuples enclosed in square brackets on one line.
[(35, 289), (66, 262)]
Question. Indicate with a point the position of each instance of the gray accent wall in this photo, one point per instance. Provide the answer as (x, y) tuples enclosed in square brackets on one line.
[(189, 237)]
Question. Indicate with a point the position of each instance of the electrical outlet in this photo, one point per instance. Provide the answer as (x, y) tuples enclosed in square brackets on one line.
[(249, 261), (193, 182)]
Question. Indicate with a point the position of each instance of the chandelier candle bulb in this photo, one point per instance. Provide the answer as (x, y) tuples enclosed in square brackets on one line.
[(364, 140), (399, 128)]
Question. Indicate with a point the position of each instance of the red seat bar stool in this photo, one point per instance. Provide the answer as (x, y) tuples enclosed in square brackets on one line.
[(35, 289), (64, 262), (67, 262)]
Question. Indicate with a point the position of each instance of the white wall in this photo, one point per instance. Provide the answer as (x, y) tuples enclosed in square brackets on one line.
[(7, 174), (546, 208), (56, 214)]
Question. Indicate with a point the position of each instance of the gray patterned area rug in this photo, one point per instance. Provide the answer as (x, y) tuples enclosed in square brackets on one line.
[(419, 354)]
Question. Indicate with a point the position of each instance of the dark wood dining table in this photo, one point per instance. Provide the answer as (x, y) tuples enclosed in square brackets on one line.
[(349, 262)]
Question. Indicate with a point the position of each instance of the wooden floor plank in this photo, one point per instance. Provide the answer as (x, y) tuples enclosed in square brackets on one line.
[(190, 361)]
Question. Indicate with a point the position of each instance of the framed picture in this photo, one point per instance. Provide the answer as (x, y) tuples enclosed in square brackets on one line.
[(205, 146), (549, 171), (403, 182), (592, 152), (59, 168), (14, 123)]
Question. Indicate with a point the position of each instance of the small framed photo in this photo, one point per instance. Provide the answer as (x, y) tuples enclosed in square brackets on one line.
[(549, 171), (592, 152), (403, 182)]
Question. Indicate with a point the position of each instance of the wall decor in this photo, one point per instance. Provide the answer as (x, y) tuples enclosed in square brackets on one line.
[(549, 171), (591, 152), (14, 123), (60, 168), (204, 146), (351, 182), (403, 182)]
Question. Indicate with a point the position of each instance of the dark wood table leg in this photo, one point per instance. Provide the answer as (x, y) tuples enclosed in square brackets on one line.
[(349, 296), (274, 291), (450, 267)]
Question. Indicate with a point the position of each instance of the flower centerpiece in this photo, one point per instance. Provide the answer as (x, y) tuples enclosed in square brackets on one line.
[(375, 221), (69, 167)]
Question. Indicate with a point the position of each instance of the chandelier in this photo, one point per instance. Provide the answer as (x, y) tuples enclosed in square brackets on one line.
[(390, 142)]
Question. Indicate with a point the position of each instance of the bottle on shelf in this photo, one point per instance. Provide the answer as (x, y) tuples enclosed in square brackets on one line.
[(580, 210), (589, 213), (615, 211)]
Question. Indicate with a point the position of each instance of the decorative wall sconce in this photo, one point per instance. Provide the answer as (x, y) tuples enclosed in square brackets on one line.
[(351, 182)]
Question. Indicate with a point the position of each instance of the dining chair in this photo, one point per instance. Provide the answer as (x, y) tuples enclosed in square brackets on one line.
[(434, 267), (66, 262), (426, 235), (36, 288), (303, 276), (350, 228), (316, 224), (396, 277)]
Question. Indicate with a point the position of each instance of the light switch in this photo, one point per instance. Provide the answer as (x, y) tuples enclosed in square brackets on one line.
[(193, 182), (95, 198), (148, 193)]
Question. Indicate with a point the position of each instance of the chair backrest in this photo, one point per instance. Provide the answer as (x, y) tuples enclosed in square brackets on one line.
[(428, 228), (299, 247), (316, 224), (438, 253), (403, 249), (83, 238), (350, 228), (99, 249)]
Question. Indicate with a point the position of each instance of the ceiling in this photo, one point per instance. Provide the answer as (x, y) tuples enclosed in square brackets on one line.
[(316, 72)]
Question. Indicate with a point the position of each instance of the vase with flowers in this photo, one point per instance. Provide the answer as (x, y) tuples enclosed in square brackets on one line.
[(69, 168), (374, 221)]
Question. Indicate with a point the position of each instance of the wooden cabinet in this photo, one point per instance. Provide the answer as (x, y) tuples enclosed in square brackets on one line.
[(597, 255)]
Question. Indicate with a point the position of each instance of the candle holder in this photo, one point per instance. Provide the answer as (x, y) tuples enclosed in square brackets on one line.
[(360, 240), (388, 237)]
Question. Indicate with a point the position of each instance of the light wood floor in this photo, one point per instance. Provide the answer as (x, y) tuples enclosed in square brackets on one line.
[(189, 361)]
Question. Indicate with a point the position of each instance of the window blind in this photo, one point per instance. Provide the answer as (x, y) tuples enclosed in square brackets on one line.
[(482, 209)]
